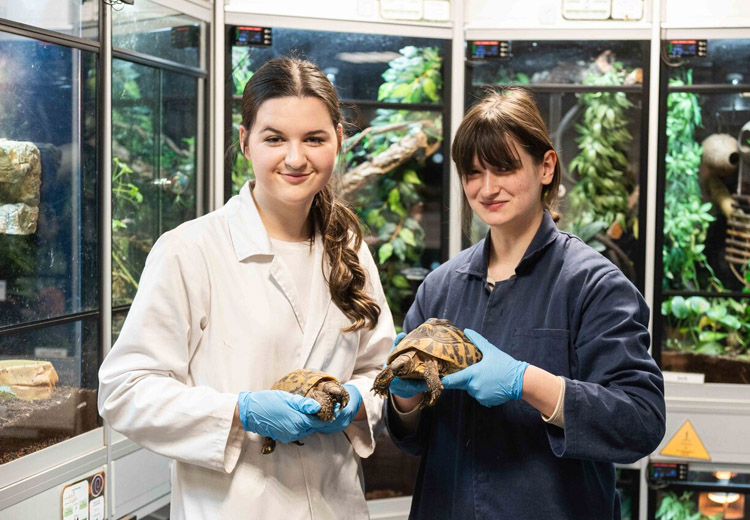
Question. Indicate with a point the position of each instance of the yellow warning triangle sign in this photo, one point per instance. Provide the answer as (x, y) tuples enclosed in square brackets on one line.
[(686, 444)]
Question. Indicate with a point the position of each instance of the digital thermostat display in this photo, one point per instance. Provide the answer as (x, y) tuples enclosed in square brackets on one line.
[(246, 36), (484, 49), (687, 48)]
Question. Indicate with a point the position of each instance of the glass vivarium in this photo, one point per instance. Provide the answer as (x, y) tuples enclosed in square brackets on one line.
[(590, 94), (49, 244), (704, 501), (48, 229), (706, 219), (393, 167), (154, 133), (48, 386), (78, 18), (151, 29)]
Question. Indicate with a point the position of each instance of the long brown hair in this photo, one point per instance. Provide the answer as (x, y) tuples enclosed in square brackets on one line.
[(337, 224), (485, 130)]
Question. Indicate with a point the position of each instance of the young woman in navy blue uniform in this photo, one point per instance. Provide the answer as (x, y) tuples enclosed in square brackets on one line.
[(566, 386)]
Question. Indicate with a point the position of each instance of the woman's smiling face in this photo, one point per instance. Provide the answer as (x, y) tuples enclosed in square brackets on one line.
[(501, 197), (292, 145)]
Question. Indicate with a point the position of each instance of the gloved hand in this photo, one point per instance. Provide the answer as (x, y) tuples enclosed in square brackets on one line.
[(277, 414), (404, 387), (344, 416), (496, 379)]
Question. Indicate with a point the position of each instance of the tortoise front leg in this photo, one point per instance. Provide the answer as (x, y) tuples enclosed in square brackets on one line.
[(400, 366), (268, 445), (326, 404), (432, 378), (336, 391)]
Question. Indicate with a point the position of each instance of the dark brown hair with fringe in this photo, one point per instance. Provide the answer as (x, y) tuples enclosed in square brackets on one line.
[(337, 224), (486, 128)]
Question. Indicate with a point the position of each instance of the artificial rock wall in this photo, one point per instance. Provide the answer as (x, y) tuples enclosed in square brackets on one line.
[(20, 182)]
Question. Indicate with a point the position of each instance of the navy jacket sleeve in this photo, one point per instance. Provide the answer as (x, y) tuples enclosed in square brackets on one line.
[(614, 405), (411, 442)]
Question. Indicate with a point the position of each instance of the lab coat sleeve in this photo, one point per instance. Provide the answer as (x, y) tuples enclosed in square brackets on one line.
[(614, 408), (374, 346), (144, 389)]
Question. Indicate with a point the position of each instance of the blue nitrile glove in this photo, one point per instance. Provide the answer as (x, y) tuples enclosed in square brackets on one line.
[(404, 387), (496, 379), (342, 417), (277, 414)]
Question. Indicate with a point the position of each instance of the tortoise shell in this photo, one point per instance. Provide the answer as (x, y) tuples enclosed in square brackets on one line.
[(301, 381), (440, 339)]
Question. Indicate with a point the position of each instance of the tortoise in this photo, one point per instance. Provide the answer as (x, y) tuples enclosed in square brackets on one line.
[(315, 384), (433, 350)]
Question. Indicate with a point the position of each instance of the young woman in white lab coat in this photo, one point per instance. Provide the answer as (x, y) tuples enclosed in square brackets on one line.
[(277, 279)]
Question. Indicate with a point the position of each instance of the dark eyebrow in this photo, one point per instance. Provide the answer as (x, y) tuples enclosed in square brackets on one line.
[(275, 131)]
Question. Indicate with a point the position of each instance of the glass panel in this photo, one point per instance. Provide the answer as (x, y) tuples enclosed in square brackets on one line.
[(356, 63), (48, 189), (39, 412), (389, 472), (590, 96), (118, 320), (628, 485), (74, 17), (706, 224), (403, 204), (702, 495), (154, 125), (710, 336), (548, 62), (725, 63), (707, 192), (152, 29)]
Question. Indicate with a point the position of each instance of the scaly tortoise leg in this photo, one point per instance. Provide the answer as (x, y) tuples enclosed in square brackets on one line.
[(432, 378)]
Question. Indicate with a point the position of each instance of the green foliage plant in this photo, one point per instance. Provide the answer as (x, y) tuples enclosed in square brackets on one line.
[(720, 327), (152, 175), (680, 507), (600, 197), (686, 217), (127, 202), (717, 327), (391, 207), (414, 77), (242, 71)]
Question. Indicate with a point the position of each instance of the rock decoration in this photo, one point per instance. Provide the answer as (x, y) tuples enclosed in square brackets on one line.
[(20, 183)]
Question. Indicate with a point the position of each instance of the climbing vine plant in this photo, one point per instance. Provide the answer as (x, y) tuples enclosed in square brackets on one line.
[(686, 217), (720, 325), (600, 197)]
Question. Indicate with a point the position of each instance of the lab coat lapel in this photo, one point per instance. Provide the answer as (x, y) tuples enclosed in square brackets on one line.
[(250, 238), (283, 280), (320, 301)]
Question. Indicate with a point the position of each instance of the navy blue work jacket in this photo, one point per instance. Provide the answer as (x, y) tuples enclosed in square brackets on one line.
[(571, 312)]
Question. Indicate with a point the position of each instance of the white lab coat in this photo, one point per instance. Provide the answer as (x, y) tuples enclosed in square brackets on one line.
[(216, 314)]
